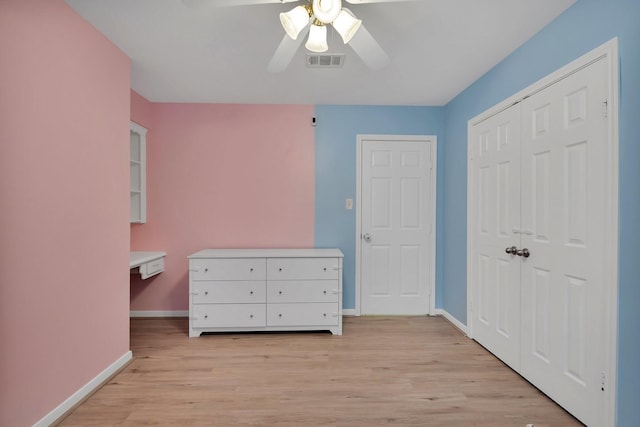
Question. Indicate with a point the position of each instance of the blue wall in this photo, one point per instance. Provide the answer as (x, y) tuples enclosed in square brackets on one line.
[(583, 27), (335, 139)]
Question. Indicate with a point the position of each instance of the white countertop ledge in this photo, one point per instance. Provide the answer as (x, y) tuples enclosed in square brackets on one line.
[(136, 259)]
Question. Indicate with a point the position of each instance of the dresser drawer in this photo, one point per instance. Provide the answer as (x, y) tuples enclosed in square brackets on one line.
[(227, 315), (302, 291), (302, 268), (228, 292), (228, 269), (312, 314)]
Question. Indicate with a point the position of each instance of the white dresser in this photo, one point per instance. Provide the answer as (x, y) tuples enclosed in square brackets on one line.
[(265, 290)]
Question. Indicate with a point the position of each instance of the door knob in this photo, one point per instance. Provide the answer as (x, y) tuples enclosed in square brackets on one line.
[(367, 237), (511, 250), (523, 252)]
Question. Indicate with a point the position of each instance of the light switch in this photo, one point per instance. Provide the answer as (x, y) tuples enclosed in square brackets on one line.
[(348, 204)]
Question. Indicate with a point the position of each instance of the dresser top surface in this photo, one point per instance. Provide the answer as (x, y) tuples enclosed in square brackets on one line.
[(267, 253)]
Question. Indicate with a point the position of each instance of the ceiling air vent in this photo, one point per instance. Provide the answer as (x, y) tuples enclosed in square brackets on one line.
[(315, 60)]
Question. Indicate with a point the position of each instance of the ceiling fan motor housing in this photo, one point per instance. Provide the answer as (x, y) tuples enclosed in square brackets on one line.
[(326, 11)]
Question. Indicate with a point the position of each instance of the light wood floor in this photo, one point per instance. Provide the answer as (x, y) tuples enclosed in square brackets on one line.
[(400, 371)]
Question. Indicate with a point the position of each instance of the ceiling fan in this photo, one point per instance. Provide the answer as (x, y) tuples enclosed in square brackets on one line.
[(312, 18)]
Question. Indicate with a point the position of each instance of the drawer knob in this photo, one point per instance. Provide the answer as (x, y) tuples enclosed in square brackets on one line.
[(206, 316), (279, 292), (251, 316), (251, 293), (206, 292), (324, 314), (206, 269), (280, 269), (325, 269), (280, 315), (251, 269), (324, 292)]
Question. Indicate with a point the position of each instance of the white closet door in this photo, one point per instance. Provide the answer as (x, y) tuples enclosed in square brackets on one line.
[(564, 159), (496, 185)]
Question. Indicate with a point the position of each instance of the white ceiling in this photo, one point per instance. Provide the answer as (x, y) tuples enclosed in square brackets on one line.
[(220, 55)]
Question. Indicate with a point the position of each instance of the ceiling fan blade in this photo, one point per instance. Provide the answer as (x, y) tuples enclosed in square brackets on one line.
[(374, 1), (368, 49), (286, 51), (206, 4)]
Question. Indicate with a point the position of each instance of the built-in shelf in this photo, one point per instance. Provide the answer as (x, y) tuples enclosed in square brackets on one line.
[(138, 170)]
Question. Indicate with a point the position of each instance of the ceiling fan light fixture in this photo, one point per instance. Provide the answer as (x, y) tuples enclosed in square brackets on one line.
[(326, 10), (317, 41), (347, 25), (295, 20)]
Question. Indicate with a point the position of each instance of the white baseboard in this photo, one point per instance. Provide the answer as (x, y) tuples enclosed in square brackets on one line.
[(455, 322), (349, 312), (85, 391), (159, 313)]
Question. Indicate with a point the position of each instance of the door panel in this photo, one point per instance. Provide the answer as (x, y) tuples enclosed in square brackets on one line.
[(496, 181), (563, 177), (550, 190), (396, 216)]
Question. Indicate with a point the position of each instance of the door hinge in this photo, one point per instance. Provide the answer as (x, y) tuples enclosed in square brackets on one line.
[(605, 108)]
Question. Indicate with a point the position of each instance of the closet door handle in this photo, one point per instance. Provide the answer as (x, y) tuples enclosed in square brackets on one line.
[(523, 252), (511, 250)]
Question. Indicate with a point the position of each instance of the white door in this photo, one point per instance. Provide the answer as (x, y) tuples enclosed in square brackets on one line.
[(538, 179), (496, 184), (396, 223), (564, 158)]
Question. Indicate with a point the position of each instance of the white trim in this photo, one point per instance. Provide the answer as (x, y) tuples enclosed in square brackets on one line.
[(433, 140), (434, 214), (84, 392), (159, 313), (608, 52), (358, 220), (611, 309), (455, 322), (349, 312), (470, 231)]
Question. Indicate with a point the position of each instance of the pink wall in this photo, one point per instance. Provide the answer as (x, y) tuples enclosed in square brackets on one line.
[(222, 176), (141, 110), (64, 234)]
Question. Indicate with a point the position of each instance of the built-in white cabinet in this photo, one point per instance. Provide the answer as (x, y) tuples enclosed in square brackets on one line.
[(138, 165), (265, 290)]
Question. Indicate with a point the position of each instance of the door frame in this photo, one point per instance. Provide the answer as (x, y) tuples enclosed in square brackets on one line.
[(607, 52), (433, 140)]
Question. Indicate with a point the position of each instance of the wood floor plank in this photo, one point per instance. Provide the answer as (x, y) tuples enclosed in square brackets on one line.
[(395, 371)]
